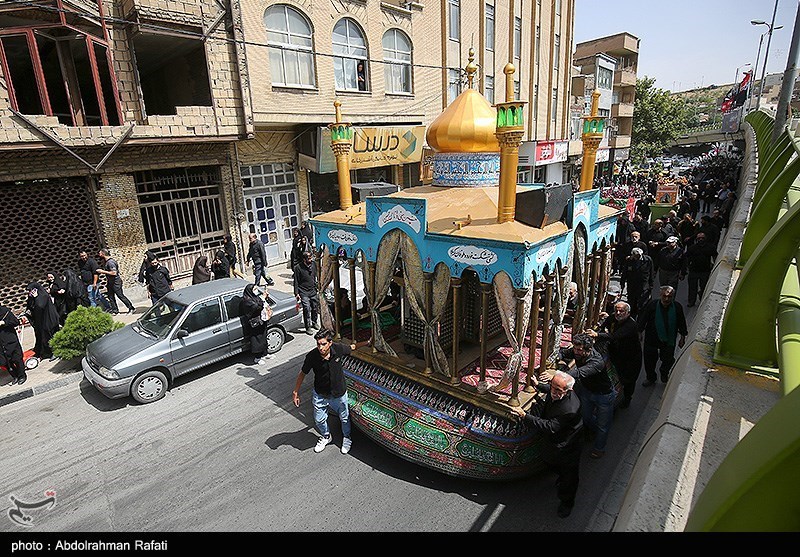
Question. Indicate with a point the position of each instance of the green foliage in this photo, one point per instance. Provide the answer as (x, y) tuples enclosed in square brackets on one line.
[(82, 326), (659, 117)]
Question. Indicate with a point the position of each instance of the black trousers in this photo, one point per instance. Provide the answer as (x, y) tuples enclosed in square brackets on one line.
[(12, 361), (655, 351), (114, 293), (310, 304), (567, 465), (697, 284), (628, 371)]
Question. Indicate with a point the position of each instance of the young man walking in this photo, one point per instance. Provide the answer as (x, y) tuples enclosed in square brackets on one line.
[(330, 389), (113, 282)]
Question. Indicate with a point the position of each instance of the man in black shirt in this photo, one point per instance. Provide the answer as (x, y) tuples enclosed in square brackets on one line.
[(305, 289), (620, 334), (159, 283), (559, 419), (330, 389), (661, 321), (257, 253), (596, 391), (700, 258), (89, 268)]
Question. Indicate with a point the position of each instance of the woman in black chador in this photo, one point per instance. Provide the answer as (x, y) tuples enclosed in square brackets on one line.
[(75, 290), (44, 318), (221, 267), (58, 291), (10, 348), (251, 308)]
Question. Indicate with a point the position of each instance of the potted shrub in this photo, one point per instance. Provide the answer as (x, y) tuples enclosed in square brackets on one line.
[(82, 326)]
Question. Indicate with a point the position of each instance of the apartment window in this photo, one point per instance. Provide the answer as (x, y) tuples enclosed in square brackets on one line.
[(516, 90), (453, 84), (489, 27), (268, 175), (554, 106), (70, 78), (556, 51), (350, 63), (517, 37), (605, 78), (488, 88), (538, 42), (291, 57), (558, 7), (397, 54), (454, 19)]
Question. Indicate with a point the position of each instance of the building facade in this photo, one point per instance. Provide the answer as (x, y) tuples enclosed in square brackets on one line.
[(117, 121), (624, 49)]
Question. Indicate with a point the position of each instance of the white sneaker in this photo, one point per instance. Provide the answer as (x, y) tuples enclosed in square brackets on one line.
[(262, 361), (346, 444), (322, 442), (257, 361)]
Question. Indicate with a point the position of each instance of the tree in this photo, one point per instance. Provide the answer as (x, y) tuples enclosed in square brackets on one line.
[(658, 118)]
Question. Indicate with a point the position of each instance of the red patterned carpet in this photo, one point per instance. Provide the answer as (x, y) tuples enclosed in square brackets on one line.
[(497, 359)]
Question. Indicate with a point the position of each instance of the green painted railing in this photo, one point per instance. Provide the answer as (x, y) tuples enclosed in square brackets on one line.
[(756, 487)]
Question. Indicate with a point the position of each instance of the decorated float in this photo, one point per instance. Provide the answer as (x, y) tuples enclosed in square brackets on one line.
[(480, 267)]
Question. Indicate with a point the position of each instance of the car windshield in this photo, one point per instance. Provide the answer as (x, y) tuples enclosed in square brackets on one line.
[(158, 320)]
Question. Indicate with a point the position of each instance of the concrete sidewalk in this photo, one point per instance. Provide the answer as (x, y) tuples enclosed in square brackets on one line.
[(49, 375)]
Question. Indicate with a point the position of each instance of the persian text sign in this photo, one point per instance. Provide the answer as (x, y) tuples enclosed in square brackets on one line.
[(342, 237), (373, 147), (548, 152), (399, 213), (472, 255)]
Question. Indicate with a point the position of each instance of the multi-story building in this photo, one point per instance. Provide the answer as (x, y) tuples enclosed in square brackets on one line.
[(166, 124), (116, 125), (596, 73), (624, 48)]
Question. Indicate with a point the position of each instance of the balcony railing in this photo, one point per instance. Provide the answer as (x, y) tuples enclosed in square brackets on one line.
[(622, 110)]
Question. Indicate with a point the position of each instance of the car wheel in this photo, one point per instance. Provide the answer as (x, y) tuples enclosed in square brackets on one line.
[(275, 339), (149, 387)]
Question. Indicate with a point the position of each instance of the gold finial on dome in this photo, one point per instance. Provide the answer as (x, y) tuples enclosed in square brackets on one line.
[(509, 70), (471, 67)]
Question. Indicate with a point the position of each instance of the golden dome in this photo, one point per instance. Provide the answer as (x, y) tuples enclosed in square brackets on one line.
[(468, 125)]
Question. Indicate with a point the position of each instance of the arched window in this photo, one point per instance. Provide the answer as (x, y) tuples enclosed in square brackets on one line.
[(291, 55), (350, 61), (397, 55)]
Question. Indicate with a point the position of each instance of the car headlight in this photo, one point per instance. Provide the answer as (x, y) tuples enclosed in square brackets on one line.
[(108, 373)]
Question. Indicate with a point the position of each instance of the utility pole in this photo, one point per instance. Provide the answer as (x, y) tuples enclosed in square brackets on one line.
[(766, 56), (789, 77)]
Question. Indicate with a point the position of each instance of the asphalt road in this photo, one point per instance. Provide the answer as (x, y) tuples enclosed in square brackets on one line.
[(226, 450)]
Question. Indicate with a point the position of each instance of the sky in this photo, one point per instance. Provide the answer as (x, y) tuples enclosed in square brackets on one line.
[(687, 44)]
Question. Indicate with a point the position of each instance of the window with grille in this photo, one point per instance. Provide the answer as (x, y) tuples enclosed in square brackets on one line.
[(397, 54), (291, 53), (268, 175), (350, 61)]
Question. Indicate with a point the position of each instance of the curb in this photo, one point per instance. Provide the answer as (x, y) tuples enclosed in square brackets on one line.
[(68, 379)]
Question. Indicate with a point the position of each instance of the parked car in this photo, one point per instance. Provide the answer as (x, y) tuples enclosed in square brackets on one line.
[(187, 329)]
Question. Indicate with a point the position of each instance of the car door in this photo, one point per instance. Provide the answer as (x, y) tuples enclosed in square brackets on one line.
[(233, 321), (200, 339)]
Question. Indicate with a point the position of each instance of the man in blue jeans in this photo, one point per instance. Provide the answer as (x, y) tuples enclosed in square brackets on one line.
[(90, 276), (330, 389), (596, 391)]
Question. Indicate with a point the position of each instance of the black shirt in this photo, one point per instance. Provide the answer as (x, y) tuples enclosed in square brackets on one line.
[(88, 269), (328, 374), (158, 280), (591, 373), (305, 279)]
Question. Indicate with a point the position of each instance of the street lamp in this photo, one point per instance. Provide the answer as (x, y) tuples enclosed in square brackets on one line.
[(758, 57), (771, 28)]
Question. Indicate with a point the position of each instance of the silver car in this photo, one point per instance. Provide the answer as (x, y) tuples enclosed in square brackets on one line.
[(187, 329)]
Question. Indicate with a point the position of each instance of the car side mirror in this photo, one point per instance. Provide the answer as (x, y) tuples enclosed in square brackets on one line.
[(182, 333)]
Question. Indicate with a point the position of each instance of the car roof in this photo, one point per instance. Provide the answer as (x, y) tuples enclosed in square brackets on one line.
[(203, 290)]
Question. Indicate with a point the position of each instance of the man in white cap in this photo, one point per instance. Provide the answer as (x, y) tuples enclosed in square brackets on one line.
[(671, 263)]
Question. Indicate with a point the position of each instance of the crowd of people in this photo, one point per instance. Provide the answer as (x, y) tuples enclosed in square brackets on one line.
[(637, 329)]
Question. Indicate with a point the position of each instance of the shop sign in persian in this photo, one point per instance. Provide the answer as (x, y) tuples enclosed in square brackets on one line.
[(374, 147), (548, 152)]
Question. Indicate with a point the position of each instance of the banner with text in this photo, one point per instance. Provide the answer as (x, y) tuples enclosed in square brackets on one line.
[(374, 147)]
